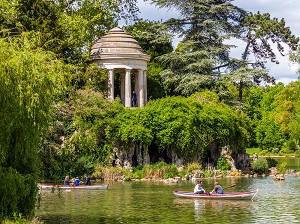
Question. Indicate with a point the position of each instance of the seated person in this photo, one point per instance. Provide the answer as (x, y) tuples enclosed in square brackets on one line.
[(67, 181), (87, 180), (198, 188), (217, 189), (77, 181)]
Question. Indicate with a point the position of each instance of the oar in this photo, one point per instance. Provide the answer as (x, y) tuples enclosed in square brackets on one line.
[(226, 187)]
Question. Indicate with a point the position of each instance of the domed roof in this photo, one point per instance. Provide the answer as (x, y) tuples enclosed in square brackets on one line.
[(117, 44)]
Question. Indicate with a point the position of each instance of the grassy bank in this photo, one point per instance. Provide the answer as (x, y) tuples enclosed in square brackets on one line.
[(274, 153)]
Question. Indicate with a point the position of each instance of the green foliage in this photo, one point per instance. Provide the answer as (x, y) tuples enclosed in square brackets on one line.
[(275, 119), (76, 139), (155, 40), (17, 193), (268, 134), (271, 162), (282, 167), (187, 125), (193, 166), (154, 82), (68, 28), (260, 31), (96, 78), (251, 151), (223, 164), (204, 26), (260, 166), (30, 81), (292, 145), (208, 173), (153, 37), (265, 153), (159, 170)]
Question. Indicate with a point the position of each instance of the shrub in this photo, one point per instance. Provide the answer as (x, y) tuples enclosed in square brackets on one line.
[(260, 166), (285, 151), (275, 150), (160, 170), (271, 162), (193, 166), (183, 173), (264, 152), (223, 164), (208, 173), (172, 171), (297, 153), (282, 167), (291, 145), (137, 173)]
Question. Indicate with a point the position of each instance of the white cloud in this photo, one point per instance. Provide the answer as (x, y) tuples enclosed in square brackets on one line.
[(289, 10), (150, 12), (285, 81)]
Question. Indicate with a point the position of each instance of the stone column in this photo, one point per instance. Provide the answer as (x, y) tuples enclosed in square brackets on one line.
[(111, 85), (141, 87), (136, 89), (145, 87), (122, 92), (128, 88)]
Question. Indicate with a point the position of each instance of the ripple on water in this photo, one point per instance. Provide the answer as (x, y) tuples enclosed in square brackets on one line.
[(276, 202)]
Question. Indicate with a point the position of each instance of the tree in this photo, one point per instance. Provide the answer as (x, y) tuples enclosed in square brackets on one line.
[(69, 28), (203, 25), (260, 33), (155, 40), (152, 36), (30, 79)]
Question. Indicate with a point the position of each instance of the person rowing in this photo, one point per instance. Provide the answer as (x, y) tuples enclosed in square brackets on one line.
[(67, 181), (198, 188), (217, 189)]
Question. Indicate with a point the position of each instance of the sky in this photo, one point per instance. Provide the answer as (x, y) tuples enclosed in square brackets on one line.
[(285, 71)]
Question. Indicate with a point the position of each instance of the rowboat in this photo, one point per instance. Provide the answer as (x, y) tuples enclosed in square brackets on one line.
[(80, 187), (247, 195)]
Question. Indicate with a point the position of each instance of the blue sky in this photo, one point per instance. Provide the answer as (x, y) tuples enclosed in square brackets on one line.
[(288, 9)]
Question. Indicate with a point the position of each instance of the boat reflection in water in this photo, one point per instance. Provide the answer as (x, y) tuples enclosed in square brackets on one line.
[(214, 208)]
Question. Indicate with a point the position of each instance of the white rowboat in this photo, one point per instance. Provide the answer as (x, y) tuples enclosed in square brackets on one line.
[(80, 187)]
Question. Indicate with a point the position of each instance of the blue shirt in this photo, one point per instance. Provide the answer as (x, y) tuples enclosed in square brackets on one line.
[(77, 182), (218, 189)]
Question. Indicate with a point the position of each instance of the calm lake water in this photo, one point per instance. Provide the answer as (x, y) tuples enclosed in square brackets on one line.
[(292, 162), (153, 202)]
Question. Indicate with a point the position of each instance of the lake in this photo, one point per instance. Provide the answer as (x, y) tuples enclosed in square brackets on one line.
[(153, 202), (292, 162)]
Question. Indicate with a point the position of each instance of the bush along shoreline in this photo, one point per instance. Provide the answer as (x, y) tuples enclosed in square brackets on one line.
[(192, 171)]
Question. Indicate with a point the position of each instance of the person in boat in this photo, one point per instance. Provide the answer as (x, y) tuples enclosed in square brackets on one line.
[(198, 188), (217, 189), (77, 181), (87, 180), (67, 181)]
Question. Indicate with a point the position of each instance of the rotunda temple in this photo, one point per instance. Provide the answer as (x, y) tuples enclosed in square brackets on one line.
[(126, 63)]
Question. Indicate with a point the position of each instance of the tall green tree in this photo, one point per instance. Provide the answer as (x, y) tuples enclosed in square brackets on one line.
[(203, 25), (30, 79), (69, 28), (261, 33), (155, 40)]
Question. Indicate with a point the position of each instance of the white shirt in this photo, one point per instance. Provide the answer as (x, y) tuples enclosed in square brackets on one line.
[(197, 188)]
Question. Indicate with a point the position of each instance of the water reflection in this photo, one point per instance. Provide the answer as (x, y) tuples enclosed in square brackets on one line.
[(209, 208), (276, 202)]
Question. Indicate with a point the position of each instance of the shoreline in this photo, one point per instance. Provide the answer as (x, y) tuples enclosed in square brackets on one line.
[(278, 156)]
